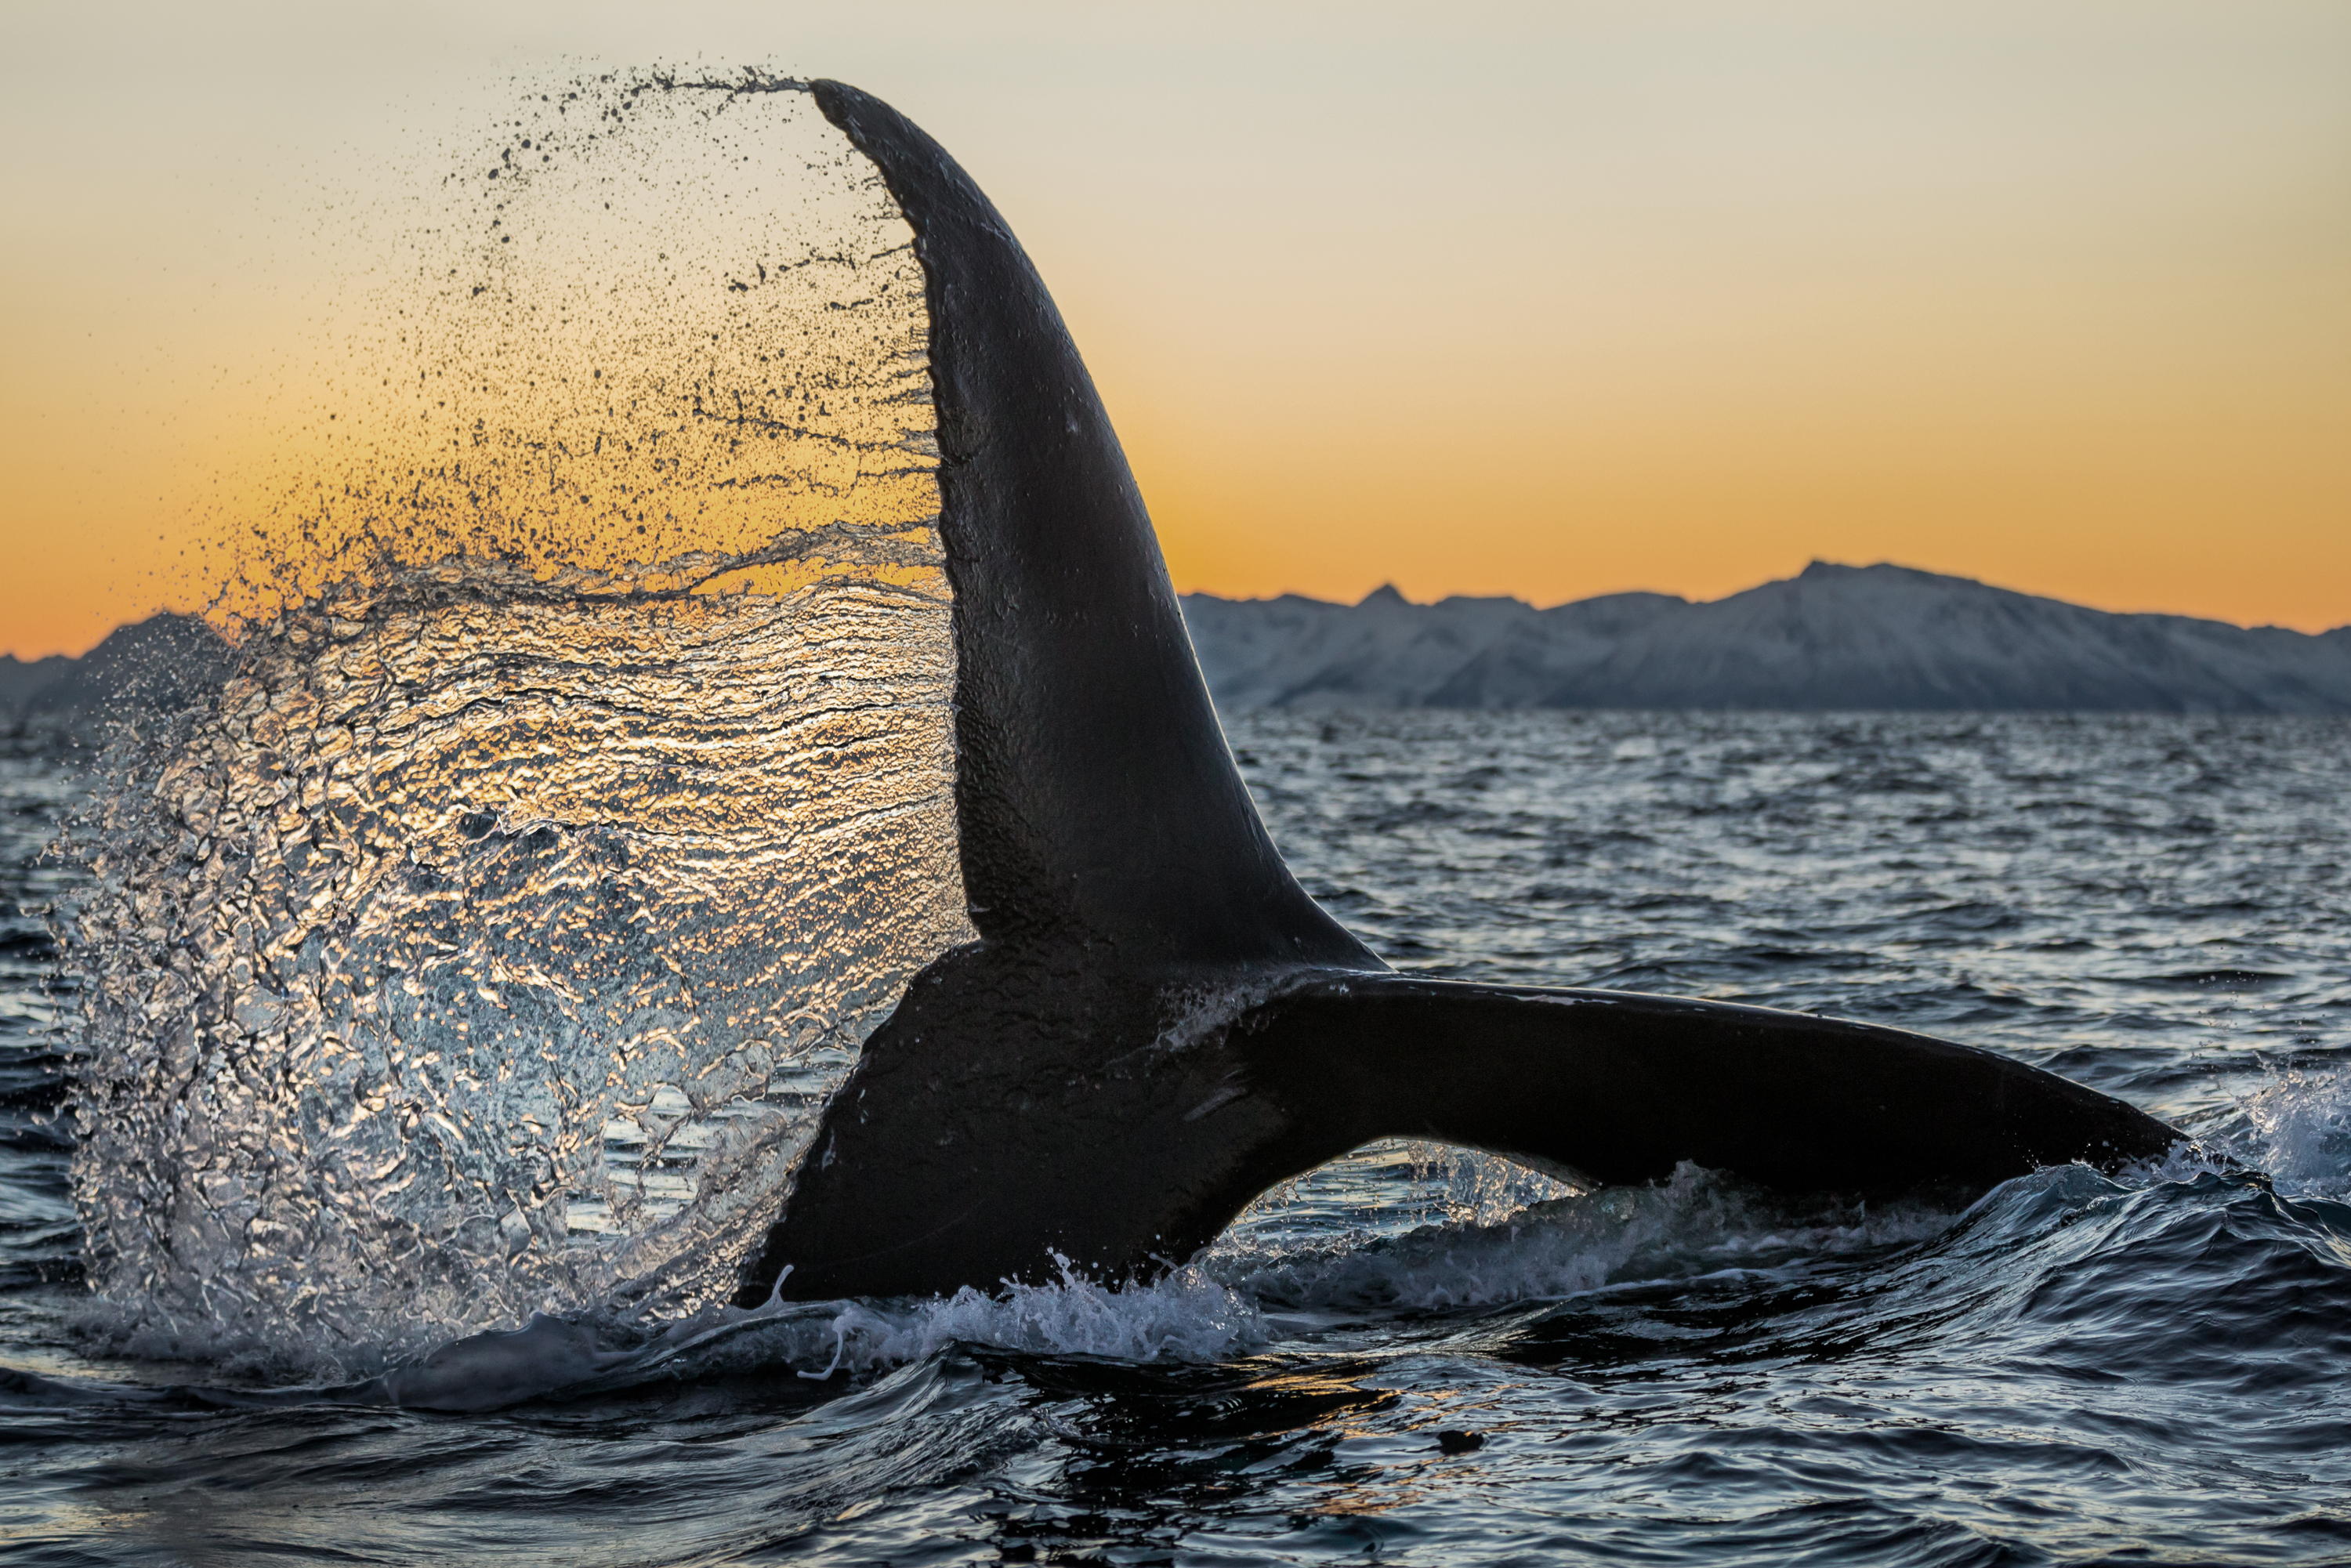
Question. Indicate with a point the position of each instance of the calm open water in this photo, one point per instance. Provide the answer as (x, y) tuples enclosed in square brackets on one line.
[(1396, 1362)]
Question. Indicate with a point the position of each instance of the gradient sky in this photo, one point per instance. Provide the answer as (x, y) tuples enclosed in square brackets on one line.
[(1548, 300)]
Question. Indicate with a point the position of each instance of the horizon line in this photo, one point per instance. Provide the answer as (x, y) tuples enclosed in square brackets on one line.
[(1390, 587)]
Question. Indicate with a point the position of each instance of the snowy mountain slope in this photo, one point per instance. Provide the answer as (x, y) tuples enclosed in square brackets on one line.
[(1834, 637)]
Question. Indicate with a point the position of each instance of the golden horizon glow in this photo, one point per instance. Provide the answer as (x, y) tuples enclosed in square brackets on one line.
[(1549, 301)]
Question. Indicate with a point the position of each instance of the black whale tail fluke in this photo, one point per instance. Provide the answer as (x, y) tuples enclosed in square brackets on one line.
[(1615, 1087), (1157, 1023), (974, 1137)]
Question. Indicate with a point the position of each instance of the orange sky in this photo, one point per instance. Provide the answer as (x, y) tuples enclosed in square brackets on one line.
[(1548, 300)]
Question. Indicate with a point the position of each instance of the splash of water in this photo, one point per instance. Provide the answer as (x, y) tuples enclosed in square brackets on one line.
[(2297, 1127), (491, 942), (668, 330)]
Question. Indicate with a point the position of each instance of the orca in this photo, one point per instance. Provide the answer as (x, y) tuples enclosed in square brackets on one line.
[(1157, 1023)]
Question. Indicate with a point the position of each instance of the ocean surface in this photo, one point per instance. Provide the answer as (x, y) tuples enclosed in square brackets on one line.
[(1410, 1356)]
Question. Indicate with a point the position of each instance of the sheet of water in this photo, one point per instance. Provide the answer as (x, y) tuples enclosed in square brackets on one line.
[(1404, 1361), (585, 793)]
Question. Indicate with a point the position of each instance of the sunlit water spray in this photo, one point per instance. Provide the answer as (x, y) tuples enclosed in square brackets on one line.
[(584, 796)]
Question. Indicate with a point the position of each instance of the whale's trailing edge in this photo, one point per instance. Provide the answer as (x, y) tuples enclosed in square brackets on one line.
[(1158, 1023)]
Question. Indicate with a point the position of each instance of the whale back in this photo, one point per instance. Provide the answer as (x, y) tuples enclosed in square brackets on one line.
[(1096, 799)]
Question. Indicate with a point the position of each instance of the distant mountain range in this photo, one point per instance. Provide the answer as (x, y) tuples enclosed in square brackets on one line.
[(162, 661), (1834, 637)]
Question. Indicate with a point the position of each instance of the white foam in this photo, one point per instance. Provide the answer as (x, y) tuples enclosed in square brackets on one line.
[(1189, 1315), (2298, 1129), (1230, 1302)]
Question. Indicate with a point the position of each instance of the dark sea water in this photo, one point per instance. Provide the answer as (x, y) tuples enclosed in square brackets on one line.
[(1413, 1358)]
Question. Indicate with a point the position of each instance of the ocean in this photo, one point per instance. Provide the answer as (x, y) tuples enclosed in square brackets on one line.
[(1413, 1355)]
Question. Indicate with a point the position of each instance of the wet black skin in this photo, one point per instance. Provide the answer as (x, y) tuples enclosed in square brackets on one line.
[(1157, 1023)]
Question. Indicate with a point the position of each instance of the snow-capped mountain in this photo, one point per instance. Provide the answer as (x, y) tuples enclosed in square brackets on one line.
[(1833, 637)]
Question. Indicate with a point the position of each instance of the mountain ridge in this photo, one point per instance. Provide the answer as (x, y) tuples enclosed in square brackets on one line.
[(1831, 638)]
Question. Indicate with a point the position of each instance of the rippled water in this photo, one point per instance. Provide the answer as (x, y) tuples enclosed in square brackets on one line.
[(1404, 1361)]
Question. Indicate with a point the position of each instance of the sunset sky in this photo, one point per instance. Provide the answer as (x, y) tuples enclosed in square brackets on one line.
[(1547, 300)]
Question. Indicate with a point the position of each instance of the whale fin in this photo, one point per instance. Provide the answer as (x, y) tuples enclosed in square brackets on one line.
[(1052, 1088), (1621, 1087), (946, 1167), (1096, 797)]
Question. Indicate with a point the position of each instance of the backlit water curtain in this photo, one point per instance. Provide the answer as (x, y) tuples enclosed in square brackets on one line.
[(585, 794)]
